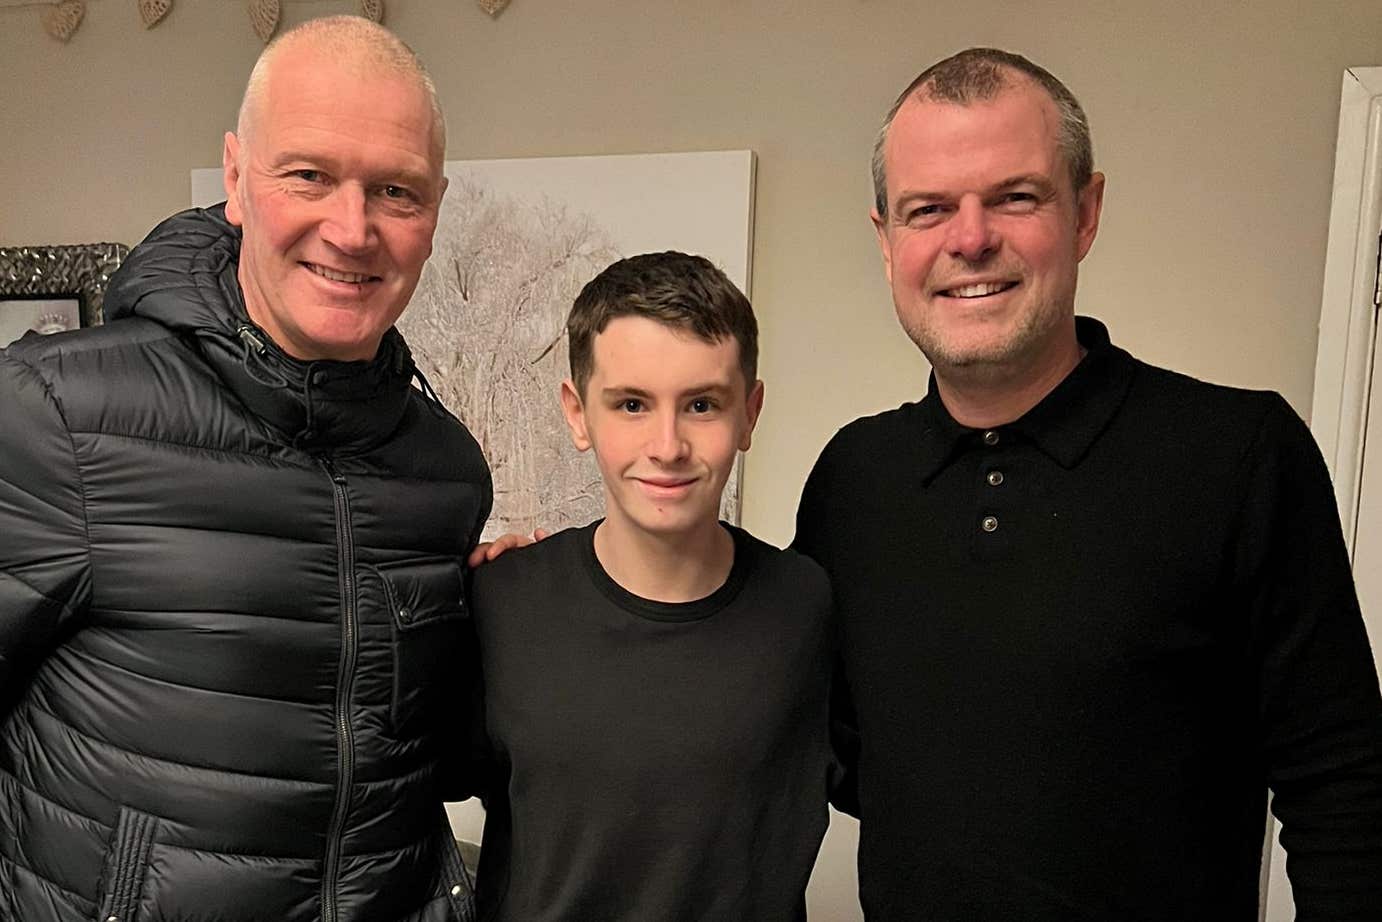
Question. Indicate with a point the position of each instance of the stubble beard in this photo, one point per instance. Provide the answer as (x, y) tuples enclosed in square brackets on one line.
[(993, 359)]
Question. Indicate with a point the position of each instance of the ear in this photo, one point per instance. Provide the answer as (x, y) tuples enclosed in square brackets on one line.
[(752, 407), (441, 190), (574, 411), (1089, 205), (230, 175), (880, 227)]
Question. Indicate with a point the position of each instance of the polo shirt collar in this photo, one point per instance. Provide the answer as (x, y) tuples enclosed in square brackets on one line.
[(1064, 425)]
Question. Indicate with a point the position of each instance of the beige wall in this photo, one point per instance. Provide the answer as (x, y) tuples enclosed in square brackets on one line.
[(1214, 122)]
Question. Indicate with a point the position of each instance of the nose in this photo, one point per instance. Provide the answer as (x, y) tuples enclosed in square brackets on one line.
[(972, 235), (666, 443), (347, 225)]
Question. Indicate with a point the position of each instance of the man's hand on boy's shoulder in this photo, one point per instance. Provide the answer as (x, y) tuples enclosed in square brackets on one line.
[(486, 551)]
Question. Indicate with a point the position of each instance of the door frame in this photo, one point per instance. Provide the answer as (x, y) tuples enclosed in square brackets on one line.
[(1348, 310)]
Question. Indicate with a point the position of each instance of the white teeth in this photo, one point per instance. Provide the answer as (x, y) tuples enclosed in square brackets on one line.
[(977, 291), (338, 276)]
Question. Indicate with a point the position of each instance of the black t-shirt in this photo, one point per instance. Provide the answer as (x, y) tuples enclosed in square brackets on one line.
[(654, 762)]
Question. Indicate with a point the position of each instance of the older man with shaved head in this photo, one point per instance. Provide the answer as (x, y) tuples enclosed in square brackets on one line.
[(232, 536)]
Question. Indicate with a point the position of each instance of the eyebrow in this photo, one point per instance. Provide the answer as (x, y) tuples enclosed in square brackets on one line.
[(715, 387), (404, 177), (1012, 182), (1027, 179), (283, 158)]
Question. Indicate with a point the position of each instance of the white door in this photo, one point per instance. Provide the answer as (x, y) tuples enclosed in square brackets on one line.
[(1346, 416), (1367, 542)]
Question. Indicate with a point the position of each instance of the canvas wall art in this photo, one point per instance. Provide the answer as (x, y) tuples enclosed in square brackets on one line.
[(515, 242)]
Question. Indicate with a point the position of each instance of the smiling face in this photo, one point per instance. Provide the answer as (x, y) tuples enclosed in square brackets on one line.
[(984, 234), (665, 413), (337, 187)]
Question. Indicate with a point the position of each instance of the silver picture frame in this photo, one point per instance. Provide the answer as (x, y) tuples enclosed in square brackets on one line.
[(70, 281)]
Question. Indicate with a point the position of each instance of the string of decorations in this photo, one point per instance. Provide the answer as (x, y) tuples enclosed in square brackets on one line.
[(61, 18)]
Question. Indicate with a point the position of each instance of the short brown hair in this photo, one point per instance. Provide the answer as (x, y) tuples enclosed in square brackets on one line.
[(675, 289), (981, 74)]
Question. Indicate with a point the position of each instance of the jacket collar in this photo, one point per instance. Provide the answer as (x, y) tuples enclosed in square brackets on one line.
[(183, 276)]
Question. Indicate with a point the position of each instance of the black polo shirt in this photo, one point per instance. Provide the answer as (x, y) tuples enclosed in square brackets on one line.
[(1082, 645)]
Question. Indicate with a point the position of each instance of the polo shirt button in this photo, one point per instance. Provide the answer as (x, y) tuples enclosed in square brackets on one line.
[(995, 478), (991, 437), (989, 523)]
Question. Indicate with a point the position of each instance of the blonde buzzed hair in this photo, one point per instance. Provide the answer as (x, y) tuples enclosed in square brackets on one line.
[(353, 41)]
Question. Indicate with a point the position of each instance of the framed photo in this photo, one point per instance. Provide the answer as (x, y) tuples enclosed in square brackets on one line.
[(55, 288)]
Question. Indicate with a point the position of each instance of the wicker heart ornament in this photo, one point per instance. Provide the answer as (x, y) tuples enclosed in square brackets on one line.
[(151, 11), (372, 9), (264, 18), (493, 7), (62, 19)]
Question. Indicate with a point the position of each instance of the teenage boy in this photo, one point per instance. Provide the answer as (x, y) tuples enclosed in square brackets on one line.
[(656, 682)]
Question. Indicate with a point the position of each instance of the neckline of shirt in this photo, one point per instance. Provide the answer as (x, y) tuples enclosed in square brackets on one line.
[(653, 610)]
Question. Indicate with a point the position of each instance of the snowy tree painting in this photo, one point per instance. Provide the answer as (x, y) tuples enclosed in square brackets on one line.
[(486, 328)]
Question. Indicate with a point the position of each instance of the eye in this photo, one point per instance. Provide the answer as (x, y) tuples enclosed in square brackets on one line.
[(702, 405), (397, 192), (312, 176), (926, 214), (1018, 201), (631, 405)]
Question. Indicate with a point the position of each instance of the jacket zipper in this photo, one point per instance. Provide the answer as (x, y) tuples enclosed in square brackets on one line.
[(345, 680)]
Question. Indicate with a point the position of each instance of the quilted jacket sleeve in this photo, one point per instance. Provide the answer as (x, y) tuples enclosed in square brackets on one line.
[(45, 571)]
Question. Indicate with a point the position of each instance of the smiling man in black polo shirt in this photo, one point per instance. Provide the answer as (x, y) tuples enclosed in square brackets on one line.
[(1092, 609)]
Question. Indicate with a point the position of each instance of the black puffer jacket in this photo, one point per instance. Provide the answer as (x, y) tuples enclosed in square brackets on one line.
[(231, 615)]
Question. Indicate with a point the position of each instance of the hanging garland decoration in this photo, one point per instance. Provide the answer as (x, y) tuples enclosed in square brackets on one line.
[(151, 11), (62, 18)]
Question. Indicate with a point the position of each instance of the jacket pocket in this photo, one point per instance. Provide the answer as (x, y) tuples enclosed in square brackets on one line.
[(127, 861), (426, 601)]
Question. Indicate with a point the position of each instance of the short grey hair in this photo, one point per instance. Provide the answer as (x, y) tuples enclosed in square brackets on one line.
[(352, 39), (981, 74)]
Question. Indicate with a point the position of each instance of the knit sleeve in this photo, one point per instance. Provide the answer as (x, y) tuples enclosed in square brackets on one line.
[(1319, 707), (814, 513), (817, 524), (45, 571)]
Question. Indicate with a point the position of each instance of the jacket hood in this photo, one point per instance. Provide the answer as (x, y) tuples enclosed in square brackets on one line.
[(183, 275)]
